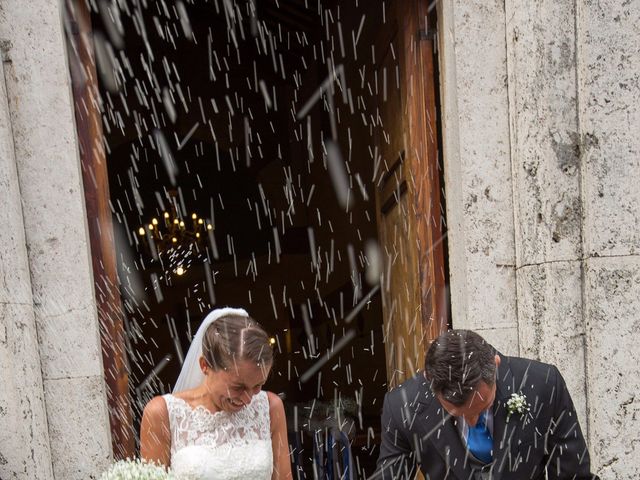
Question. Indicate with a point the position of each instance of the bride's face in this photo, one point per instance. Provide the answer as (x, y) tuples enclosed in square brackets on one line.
[(233, 388)]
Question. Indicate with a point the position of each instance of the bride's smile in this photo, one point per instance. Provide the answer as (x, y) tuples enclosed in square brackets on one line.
[(232, 388)]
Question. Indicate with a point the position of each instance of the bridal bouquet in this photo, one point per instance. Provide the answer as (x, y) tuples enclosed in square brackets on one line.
[(136, 470)]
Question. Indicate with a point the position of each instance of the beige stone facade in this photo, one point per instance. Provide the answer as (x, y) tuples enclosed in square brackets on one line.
[(53, 416), (541, 115)]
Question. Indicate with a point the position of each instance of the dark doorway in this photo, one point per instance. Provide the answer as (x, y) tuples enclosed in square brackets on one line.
[(256, 127), (207, 126)]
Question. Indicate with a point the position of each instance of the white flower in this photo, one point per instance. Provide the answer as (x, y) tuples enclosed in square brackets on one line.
[(136, 470), (517, 404)]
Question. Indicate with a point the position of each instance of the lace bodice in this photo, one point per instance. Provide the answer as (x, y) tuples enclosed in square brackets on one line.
[(220, 445)]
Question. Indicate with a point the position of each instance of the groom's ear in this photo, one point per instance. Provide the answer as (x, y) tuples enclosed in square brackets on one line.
[(497, 360)]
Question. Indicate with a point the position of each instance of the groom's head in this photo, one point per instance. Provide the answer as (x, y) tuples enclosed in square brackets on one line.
[(461, 367)]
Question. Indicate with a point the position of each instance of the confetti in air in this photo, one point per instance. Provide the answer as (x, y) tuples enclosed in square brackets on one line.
[(338, 173), (251, 153)]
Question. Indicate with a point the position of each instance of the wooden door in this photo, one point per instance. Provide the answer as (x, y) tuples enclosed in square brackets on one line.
[(408, 189), (110, 311)]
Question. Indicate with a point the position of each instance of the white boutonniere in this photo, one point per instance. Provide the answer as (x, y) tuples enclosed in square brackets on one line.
[(517, 404)]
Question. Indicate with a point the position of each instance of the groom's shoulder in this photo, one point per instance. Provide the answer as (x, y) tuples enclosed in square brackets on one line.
[(410, 390), (524, 364), (534, 371)]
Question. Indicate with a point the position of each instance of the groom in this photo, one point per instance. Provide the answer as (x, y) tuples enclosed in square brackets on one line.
[(460, 420)]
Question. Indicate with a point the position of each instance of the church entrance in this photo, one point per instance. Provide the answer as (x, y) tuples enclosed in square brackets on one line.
[(280, 156)]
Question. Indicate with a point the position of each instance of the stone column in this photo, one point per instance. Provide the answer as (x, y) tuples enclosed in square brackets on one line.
[(55, 225), (541, 52), (24, 436), (609, 106), (478, 169)]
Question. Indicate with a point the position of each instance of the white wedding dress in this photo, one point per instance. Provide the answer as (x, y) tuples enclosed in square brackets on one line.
[(220, 445)]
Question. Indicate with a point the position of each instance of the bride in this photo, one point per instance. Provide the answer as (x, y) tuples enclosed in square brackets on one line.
[(218, 423)]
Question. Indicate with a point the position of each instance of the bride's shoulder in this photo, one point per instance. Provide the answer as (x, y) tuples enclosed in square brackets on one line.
[(155, 416), (274, 399), (276, 413), (275, 404), (156, 407)]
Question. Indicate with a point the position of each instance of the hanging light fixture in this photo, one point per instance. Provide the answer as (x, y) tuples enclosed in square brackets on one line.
[(175, 241)]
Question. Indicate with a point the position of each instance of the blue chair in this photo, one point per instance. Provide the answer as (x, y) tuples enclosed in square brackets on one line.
[(339, 464)]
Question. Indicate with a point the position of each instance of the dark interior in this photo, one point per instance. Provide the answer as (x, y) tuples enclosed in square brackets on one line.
[(220, 85)]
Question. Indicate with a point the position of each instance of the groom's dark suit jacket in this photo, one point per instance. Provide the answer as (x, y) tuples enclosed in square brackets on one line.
[(416, 429)]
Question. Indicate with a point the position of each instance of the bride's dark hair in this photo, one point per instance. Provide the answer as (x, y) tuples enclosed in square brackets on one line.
[(233, 338)]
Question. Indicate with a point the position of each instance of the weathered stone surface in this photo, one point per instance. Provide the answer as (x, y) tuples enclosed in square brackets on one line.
[(609, 92), (483, 130), (54, 219), (69, 342), (14, 269), (24, 438), (613, 332), (491, 293), (551, 324), (80, 443), (544, 130), (46, 154), (504, 339), (478, 167)]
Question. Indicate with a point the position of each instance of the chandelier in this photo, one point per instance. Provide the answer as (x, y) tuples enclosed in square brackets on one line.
[(176, 242)]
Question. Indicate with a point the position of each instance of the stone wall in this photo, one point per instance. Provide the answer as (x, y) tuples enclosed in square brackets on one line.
[(478, 166), (23, 421), (541, 113), (608, 76), (57, 421), (545, 154)]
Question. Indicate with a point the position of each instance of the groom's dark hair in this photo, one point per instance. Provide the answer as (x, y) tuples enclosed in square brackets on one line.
[(456, 362)]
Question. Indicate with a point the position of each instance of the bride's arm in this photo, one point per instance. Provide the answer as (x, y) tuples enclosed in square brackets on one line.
[(155, 435), (279, 441)]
